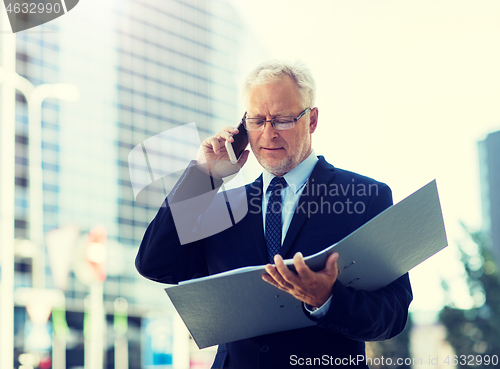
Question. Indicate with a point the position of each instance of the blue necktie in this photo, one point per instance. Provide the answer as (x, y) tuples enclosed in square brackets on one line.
[(273, 217)]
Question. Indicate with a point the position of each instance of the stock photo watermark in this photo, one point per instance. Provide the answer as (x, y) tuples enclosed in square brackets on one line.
[(27, 14), (161, 161), (349, 197), (361, 360), (201, 208)]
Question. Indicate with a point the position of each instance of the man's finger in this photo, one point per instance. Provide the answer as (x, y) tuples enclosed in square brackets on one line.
[(230, 129), (269, 279), (228, 136), (214, 142), (283, 270), (276, 275), (300, 265), (331, 264)]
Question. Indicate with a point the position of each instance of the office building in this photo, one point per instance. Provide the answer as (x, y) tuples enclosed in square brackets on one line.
[(142, 67), (489, 166)]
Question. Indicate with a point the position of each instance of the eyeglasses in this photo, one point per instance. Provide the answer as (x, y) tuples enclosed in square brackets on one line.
[(279, 123)]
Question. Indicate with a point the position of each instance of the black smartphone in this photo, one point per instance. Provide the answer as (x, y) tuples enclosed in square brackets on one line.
[(240, 143)]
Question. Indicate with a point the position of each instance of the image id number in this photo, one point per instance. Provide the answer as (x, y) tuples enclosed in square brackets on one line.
[(34, 8), (472, 360)]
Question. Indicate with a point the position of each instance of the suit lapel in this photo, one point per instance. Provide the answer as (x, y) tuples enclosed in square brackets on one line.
[(323, 173), (254, 195)]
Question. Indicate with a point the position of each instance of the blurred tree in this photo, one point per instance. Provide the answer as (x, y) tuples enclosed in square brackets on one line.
[(397, 347), (474, 333)]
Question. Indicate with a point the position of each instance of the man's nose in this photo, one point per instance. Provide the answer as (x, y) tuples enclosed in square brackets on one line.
[(269, 131)]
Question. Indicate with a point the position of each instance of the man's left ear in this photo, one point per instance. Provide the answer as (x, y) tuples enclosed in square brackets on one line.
[(313, 120)]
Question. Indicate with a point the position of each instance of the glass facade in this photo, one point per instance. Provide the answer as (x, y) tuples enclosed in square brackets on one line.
[(489, 169), (142, 67)]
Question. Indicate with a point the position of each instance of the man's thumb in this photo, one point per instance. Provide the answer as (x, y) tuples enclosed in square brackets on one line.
[(331, 263)]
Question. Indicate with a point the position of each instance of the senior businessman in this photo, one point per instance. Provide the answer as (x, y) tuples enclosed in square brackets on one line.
[(298, 206)]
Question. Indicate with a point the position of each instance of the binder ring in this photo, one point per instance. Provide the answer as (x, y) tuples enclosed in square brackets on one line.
[(347, 266)]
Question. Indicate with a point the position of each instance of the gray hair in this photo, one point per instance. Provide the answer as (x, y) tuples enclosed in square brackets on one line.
[(274, 70)]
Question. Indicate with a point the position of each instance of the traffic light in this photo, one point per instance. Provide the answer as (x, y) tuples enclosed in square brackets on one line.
[(95, 252)]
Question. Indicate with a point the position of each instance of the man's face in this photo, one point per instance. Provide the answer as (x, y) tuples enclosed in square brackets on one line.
[(280, 151)]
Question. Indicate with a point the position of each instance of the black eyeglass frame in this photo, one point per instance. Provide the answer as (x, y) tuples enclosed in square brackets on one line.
[(272, 121)]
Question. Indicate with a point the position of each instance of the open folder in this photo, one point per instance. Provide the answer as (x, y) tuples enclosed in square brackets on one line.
[(238, 304)]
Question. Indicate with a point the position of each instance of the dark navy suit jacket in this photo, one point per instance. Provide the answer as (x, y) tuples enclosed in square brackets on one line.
[(344, 201)]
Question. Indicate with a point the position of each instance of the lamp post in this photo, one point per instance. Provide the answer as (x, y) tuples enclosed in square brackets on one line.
[(7, 174), (34, 97), (35, 100)]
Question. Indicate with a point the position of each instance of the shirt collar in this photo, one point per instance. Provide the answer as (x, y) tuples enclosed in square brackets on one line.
[(297, 177)]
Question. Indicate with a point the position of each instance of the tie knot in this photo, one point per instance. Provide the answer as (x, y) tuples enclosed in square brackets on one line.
[(277, 184)]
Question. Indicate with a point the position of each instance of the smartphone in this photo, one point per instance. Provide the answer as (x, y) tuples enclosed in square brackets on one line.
[(236, 148)]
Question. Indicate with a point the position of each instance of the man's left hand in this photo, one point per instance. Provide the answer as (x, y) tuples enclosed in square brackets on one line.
[(313, 288)]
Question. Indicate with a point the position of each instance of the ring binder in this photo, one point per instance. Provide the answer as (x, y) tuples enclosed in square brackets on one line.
[(351, 282), (238, 304), (347, 266)]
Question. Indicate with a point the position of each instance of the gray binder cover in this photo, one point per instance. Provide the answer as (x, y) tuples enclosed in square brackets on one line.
[(238, 304)]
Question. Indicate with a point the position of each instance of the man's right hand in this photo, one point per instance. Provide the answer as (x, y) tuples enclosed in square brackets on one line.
[(213, 158)]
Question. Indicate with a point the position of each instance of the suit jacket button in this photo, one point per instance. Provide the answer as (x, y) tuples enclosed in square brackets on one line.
[(264, 349)]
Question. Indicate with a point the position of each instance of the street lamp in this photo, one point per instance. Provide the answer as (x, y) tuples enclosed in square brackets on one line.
[(34, 98), (7, 189)]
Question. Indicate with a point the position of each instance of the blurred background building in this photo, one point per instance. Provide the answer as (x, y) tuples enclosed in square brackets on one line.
[(489, 169), (142, 67)]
